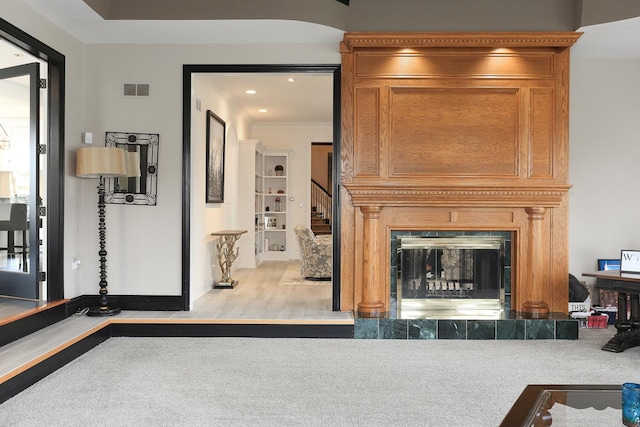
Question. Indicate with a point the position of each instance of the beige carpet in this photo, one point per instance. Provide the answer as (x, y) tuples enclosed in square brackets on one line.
[(292, 277), (166, 382)]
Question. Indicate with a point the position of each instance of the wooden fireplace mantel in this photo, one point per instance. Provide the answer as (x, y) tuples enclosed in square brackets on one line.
[(455, 131), (485, 196)]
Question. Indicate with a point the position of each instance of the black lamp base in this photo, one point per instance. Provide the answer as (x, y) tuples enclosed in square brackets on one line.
[(100, 312)]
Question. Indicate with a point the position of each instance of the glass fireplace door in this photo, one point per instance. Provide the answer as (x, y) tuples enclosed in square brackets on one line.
[(451, 277)]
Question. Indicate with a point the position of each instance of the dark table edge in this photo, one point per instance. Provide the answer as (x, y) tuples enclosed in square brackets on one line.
[(523, 405)]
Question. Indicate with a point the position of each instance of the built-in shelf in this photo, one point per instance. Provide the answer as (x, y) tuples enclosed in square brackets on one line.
[(262, 207)]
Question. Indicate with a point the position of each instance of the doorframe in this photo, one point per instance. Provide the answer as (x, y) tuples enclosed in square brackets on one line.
[(187, 73), (55, 152)]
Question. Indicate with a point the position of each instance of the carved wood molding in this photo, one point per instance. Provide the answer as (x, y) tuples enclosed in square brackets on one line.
[(419, 40), (501, 196)]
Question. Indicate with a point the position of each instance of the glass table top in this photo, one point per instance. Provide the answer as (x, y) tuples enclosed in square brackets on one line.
[(566, 405)]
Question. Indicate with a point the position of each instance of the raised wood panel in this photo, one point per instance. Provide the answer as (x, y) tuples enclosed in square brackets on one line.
[(454, 132), (367, 139), (542, 126), (349, 246), (559, 265), (416, 217), (448, 63), (561, 118), (443, 218)]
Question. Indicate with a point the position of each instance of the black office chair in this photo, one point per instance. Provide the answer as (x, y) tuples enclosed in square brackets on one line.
[(17, 222)]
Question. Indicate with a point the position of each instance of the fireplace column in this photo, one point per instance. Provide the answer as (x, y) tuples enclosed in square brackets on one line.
[(536, 306), (371, 304)]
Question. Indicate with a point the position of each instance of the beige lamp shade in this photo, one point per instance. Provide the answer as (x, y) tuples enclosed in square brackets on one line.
[(132, 163), (94, 162)]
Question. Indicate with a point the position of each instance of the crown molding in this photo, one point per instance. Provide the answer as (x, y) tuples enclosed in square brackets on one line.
[(422, 40)]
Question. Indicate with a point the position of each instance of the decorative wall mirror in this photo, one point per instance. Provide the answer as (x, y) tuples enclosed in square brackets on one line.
[(139, 187)]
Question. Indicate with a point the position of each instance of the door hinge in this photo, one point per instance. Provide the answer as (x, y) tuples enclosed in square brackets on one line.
[(42, 276), (43, 83), (42, 149), (42, 211)]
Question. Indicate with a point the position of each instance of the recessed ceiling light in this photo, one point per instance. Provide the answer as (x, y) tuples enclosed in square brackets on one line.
[(250, 91), (290, 79), (262, 110)]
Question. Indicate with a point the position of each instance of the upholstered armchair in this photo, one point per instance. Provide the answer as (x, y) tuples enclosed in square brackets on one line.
[(315, 254)]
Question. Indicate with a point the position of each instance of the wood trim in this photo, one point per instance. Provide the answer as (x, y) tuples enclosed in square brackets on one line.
[(30, 312), (173, 321), (358, 40), (413, 195)]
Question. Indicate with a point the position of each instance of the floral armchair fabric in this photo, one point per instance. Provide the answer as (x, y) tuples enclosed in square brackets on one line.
[(315, 254)]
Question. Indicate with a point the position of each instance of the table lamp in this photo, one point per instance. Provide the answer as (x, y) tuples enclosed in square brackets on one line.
[(101, 163)]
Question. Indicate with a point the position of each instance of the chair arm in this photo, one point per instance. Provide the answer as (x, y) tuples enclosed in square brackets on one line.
[(324, 239)]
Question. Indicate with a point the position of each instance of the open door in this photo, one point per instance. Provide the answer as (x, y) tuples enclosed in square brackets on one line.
[(19, 181)]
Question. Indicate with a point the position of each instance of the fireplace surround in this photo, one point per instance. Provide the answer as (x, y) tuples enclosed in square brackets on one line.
[(455, 131)]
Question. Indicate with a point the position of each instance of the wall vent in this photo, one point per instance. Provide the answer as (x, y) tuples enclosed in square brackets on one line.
[(135, 89)]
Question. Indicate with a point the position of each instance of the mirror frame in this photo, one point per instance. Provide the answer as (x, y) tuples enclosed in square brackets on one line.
[(149, 172)]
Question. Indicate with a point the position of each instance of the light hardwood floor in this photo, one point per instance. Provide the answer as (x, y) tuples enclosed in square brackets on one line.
[(262, 294)]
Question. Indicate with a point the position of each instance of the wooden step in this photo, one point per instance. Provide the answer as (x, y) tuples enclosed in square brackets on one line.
[(321, 229)]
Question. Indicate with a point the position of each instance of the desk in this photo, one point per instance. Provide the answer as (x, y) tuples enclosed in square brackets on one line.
[(628, 326), (535, 406), (226, 255)]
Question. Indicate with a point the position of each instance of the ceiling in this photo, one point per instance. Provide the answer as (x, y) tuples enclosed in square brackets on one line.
[(287, 97), (309, 97)]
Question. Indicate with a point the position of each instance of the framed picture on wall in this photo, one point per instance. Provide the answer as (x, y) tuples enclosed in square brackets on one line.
[(215, 158)]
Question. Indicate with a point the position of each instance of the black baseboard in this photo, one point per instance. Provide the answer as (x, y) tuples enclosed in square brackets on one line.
[(231, 330), (25, 379), (138, 302)]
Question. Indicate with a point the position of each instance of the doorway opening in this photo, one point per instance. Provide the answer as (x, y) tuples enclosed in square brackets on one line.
[(45, 246), (321, 188), (189, 72)]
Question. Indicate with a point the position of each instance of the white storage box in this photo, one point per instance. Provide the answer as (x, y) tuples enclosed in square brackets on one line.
[(580, 306)]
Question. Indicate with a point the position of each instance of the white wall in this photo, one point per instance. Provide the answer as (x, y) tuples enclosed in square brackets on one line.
[(297, 138), (148, 258), (604, 161), (210, 217)]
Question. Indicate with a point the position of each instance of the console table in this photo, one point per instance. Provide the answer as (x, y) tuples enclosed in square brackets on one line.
[(226, 255), (628, 326)]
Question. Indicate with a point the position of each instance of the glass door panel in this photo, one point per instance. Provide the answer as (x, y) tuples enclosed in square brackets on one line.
[(19, 180)]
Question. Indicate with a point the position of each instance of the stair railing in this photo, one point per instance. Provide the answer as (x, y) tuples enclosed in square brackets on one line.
[(321, 200)]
